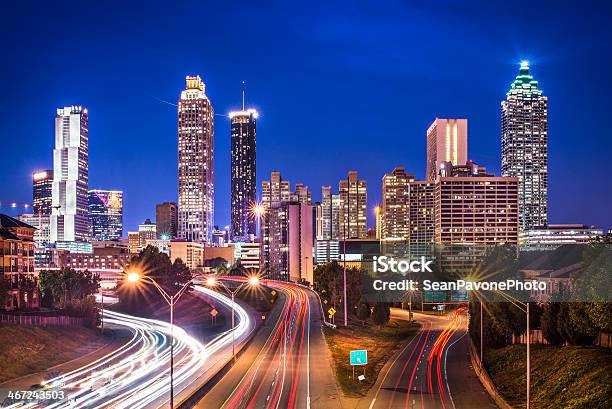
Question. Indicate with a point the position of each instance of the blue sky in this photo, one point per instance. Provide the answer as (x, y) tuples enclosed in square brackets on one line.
[(339, 86)]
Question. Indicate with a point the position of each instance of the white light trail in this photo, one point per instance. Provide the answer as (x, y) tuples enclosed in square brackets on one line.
[(136, 375)]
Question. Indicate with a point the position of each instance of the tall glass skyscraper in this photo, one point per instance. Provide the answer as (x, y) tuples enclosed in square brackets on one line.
[(196, 188), (525, 147), (105, 214), (69, 221), (42, 189), (243, 170)]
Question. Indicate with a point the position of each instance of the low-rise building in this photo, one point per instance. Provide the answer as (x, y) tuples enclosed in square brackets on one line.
[(555, 235), (190, 252), (17, 263), (247, 254)]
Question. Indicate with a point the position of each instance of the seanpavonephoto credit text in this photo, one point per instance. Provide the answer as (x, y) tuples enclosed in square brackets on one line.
[(459, 285)]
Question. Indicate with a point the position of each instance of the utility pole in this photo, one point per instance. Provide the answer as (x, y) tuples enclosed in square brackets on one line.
[(528, 361), (481, 325)]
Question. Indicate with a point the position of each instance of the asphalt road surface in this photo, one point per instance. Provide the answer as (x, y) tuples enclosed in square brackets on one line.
[(431, 371), (290, 368)]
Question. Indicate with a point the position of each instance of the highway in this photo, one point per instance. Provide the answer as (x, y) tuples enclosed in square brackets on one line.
[(431, 371), (291, 367), (136, 375)]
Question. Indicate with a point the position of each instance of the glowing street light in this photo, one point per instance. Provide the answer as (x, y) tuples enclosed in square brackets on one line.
[(259, 209), (133, 278), (253, 281)]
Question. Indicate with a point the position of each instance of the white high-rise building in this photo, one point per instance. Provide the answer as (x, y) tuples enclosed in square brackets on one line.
[(196, 188), (446, 142), (525, 147), (69, 212)]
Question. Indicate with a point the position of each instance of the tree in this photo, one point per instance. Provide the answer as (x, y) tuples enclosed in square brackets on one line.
[(66, 284), (363, 312), (492, 335), (380, 314), (156, 265), (550, 323), (85, 308), (329, 279), (592, 290), (572, 333)]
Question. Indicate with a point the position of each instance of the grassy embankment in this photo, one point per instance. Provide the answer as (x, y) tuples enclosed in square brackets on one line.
[(381, 344), (25, 350), (562, 377)]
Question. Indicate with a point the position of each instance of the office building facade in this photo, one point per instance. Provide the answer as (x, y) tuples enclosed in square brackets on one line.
[(166, 220), (195, 163), (473, 211), (421, 218), (446, 142), (552, 236), (328, 215), (290, 238), (42, 192), (274, 190), (524, 123), (352, 212), (243, 173), (393, 215), (69, 221), (105, 214)]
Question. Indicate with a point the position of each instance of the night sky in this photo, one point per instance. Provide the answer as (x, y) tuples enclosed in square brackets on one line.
[(338, 87)]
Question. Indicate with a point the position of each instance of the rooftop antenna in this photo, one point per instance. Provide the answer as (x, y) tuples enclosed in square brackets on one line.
[(243, 95)]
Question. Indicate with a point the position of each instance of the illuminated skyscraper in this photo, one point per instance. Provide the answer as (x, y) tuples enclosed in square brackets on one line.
[(42, 192), (105, 214), (276, 189), (166, 220), (395, 211), (422, 218), (446, 142), (352, 212), (329, 227), (290, 251), (195, 163), (525, 147), (69, 220), (244, 175)]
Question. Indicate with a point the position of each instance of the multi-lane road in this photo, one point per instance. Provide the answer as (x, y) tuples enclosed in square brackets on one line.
[(290, 368), (431, 371), (135, 375)]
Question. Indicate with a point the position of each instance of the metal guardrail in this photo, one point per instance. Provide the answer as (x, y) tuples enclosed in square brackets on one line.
[(42, 321)]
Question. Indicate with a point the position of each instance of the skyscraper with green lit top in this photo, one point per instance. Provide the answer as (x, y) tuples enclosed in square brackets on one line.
[(525, 146)]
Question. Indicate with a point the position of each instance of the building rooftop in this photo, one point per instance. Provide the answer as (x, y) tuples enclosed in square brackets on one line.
[(8, 221)]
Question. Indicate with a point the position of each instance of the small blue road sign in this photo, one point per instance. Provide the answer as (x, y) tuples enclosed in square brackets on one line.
[(359, 357)]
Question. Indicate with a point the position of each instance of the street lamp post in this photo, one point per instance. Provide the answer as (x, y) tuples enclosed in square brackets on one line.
[(102, 314), (253, 281), (171, 301), (346, 226), (481, 325)]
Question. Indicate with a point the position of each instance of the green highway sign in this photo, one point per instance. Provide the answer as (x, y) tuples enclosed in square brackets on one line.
[(359, 357)]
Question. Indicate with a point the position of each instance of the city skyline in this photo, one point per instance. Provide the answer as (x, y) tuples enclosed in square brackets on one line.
[(277, 139)]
